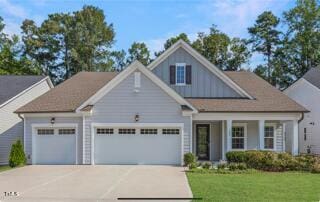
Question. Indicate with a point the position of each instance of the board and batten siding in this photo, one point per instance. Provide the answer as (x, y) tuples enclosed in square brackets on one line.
[(46, 120), (204, 83), (121, 105), (11, 126)]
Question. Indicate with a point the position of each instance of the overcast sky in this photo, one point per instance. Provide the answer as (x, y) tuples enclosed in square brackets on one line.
[(150, 21)]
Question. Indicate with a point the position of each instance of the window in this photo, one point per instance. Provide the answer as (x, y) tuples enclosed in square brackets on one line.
[(127, 131), (238, 137), (45, 131), (180, 74), (269, 136), (67, 131), (104, 131), (149, 131), (170, 131)]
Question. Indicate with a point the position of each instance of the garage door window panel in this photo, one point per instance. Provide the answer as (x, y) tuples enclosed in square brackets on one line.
[(105, 131), (67, 131), (124, 131), (45, 131), (149, 131), (170, 131)]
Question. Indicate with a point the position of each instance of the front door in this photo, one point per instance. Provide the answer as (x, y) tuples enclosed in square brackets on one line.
[(203, 141)]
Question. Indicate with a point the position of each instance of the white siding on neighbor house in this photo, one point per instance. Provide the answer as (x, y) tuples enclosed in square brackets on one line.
[(11, 126), (47, 120), (308, 96), (204, 83), (121, 105)]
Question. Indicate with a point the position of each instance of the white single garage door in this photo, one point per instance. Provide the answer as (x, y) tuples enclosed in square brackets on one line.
[(54, 146), (130, 145)]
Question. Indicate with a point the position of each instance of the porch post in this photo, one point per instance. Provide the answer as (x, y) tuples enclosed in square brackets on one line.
[(229, 135), (261, 134), (295, 138), (223, 141)]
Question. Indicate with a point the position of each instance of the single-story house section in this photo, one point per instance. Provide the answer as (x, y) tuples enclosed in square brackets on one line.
[(16, 91), (306, 91), (153, 115)]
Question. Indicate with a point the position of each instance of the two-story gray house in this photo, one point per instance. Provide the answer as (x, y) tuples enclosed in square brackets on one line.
[(153, 115)]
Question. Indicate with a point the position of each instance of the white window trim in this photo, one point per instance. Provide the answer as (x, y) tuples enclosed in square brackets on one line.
[(244, 125), (184, 66), (274, 125)]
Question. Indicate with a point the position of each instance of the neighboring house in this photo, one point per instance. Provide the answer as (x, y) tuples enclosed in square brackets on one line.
[(153, 115), (306, 91), (16, 91)]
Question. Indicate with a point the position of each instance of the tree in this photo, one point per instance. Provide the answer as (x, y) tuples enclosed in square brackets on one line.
[(119, 60), (11, 60), (239, 54), (67, 43), (219, 49), (169, 42), (265, 38), (139, 51), (302, 42)]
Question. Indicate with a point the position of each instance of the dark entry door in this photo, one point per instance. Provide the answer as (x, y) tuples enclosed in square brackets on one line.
[(203, 141)]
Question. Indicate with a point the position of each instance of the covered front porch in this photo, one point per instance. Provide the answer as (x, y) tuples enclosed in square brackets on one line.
[(214, 134)]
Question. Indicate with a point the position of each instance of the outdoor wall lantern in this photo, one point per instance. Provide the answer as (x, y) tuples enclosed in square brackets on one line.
[(136, 117), (53, 120)]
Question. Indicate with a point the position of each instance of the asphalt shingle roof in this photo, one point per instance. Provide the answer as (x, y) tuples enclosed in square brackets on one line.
[(313, 76), (11, 86)]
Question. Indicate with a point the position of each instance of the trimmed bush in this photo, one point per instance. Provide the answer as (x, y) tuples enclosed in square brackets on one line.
[(189, 158), (222, 166), (206, 165), (237, 166), (273, 161), (17, 156), (192, 165)]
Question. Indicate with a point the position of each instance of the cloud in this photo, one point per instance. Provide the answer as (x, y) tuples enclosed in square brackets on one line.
[(235, 16), (13, 9)]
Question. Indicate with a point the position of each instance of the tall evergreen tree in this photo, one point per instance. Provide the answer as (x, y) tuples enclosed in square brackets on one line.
[(139, 51), (265, 39), (169, 42)]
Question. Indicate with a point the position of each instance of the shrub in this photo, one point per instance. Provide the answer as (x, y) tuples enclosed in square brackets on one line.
[(237, 166), (192, 165), (17, 156), (236, 156), (222, 166), (189, 158), (207, 165), (316, 168)]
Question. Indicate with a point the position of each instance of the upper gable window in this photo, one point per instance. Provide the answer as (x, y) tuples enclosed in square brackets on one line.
[(180, 74)]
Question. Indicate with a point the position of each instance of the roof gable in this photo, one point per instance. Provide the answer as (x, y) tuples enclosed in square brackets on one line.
[(313, 77), (136, 65), (203, 61), (11, 86)]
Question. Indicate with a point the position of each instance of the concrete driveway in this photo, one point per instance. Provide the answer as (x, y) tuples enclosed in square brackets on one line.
[(93, 183)]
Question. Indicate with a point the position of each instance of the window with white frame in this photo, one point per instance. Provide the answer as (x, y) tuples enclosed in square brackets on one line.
[(269, 136), (238, 137), (180, 73), (45, 131)]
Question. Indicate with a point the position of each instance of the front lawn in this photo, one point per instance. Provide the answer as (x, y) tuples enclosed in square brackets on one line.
[(256, 186)]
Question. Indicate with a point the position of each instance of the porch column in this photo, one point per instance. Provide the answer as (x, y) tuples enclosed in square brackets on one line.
[(295, 138), (261, 134), (229, 135)]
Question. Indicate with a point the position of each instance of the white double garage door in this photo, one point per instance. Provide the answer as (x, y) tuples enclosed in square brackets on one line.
[(111, 145)]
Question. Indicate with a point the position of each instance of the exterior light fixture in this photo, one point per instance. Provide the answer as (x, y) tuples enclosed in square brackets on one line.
[(53, 120), (136, 117)]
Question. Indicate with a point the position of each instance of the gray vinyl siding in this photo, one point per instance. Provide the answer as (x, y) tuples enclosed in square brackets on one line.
[(46, 120), (204, 82), (121, 105), (11, 126)]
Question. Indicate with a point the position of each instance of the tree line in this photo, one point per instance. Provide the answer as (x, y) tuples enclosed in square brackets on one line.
[(67, 43)]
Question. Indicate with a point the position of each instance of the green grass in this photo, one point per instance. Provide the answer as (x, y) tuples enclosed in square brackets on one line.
[(4, 168), (255, 186)]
